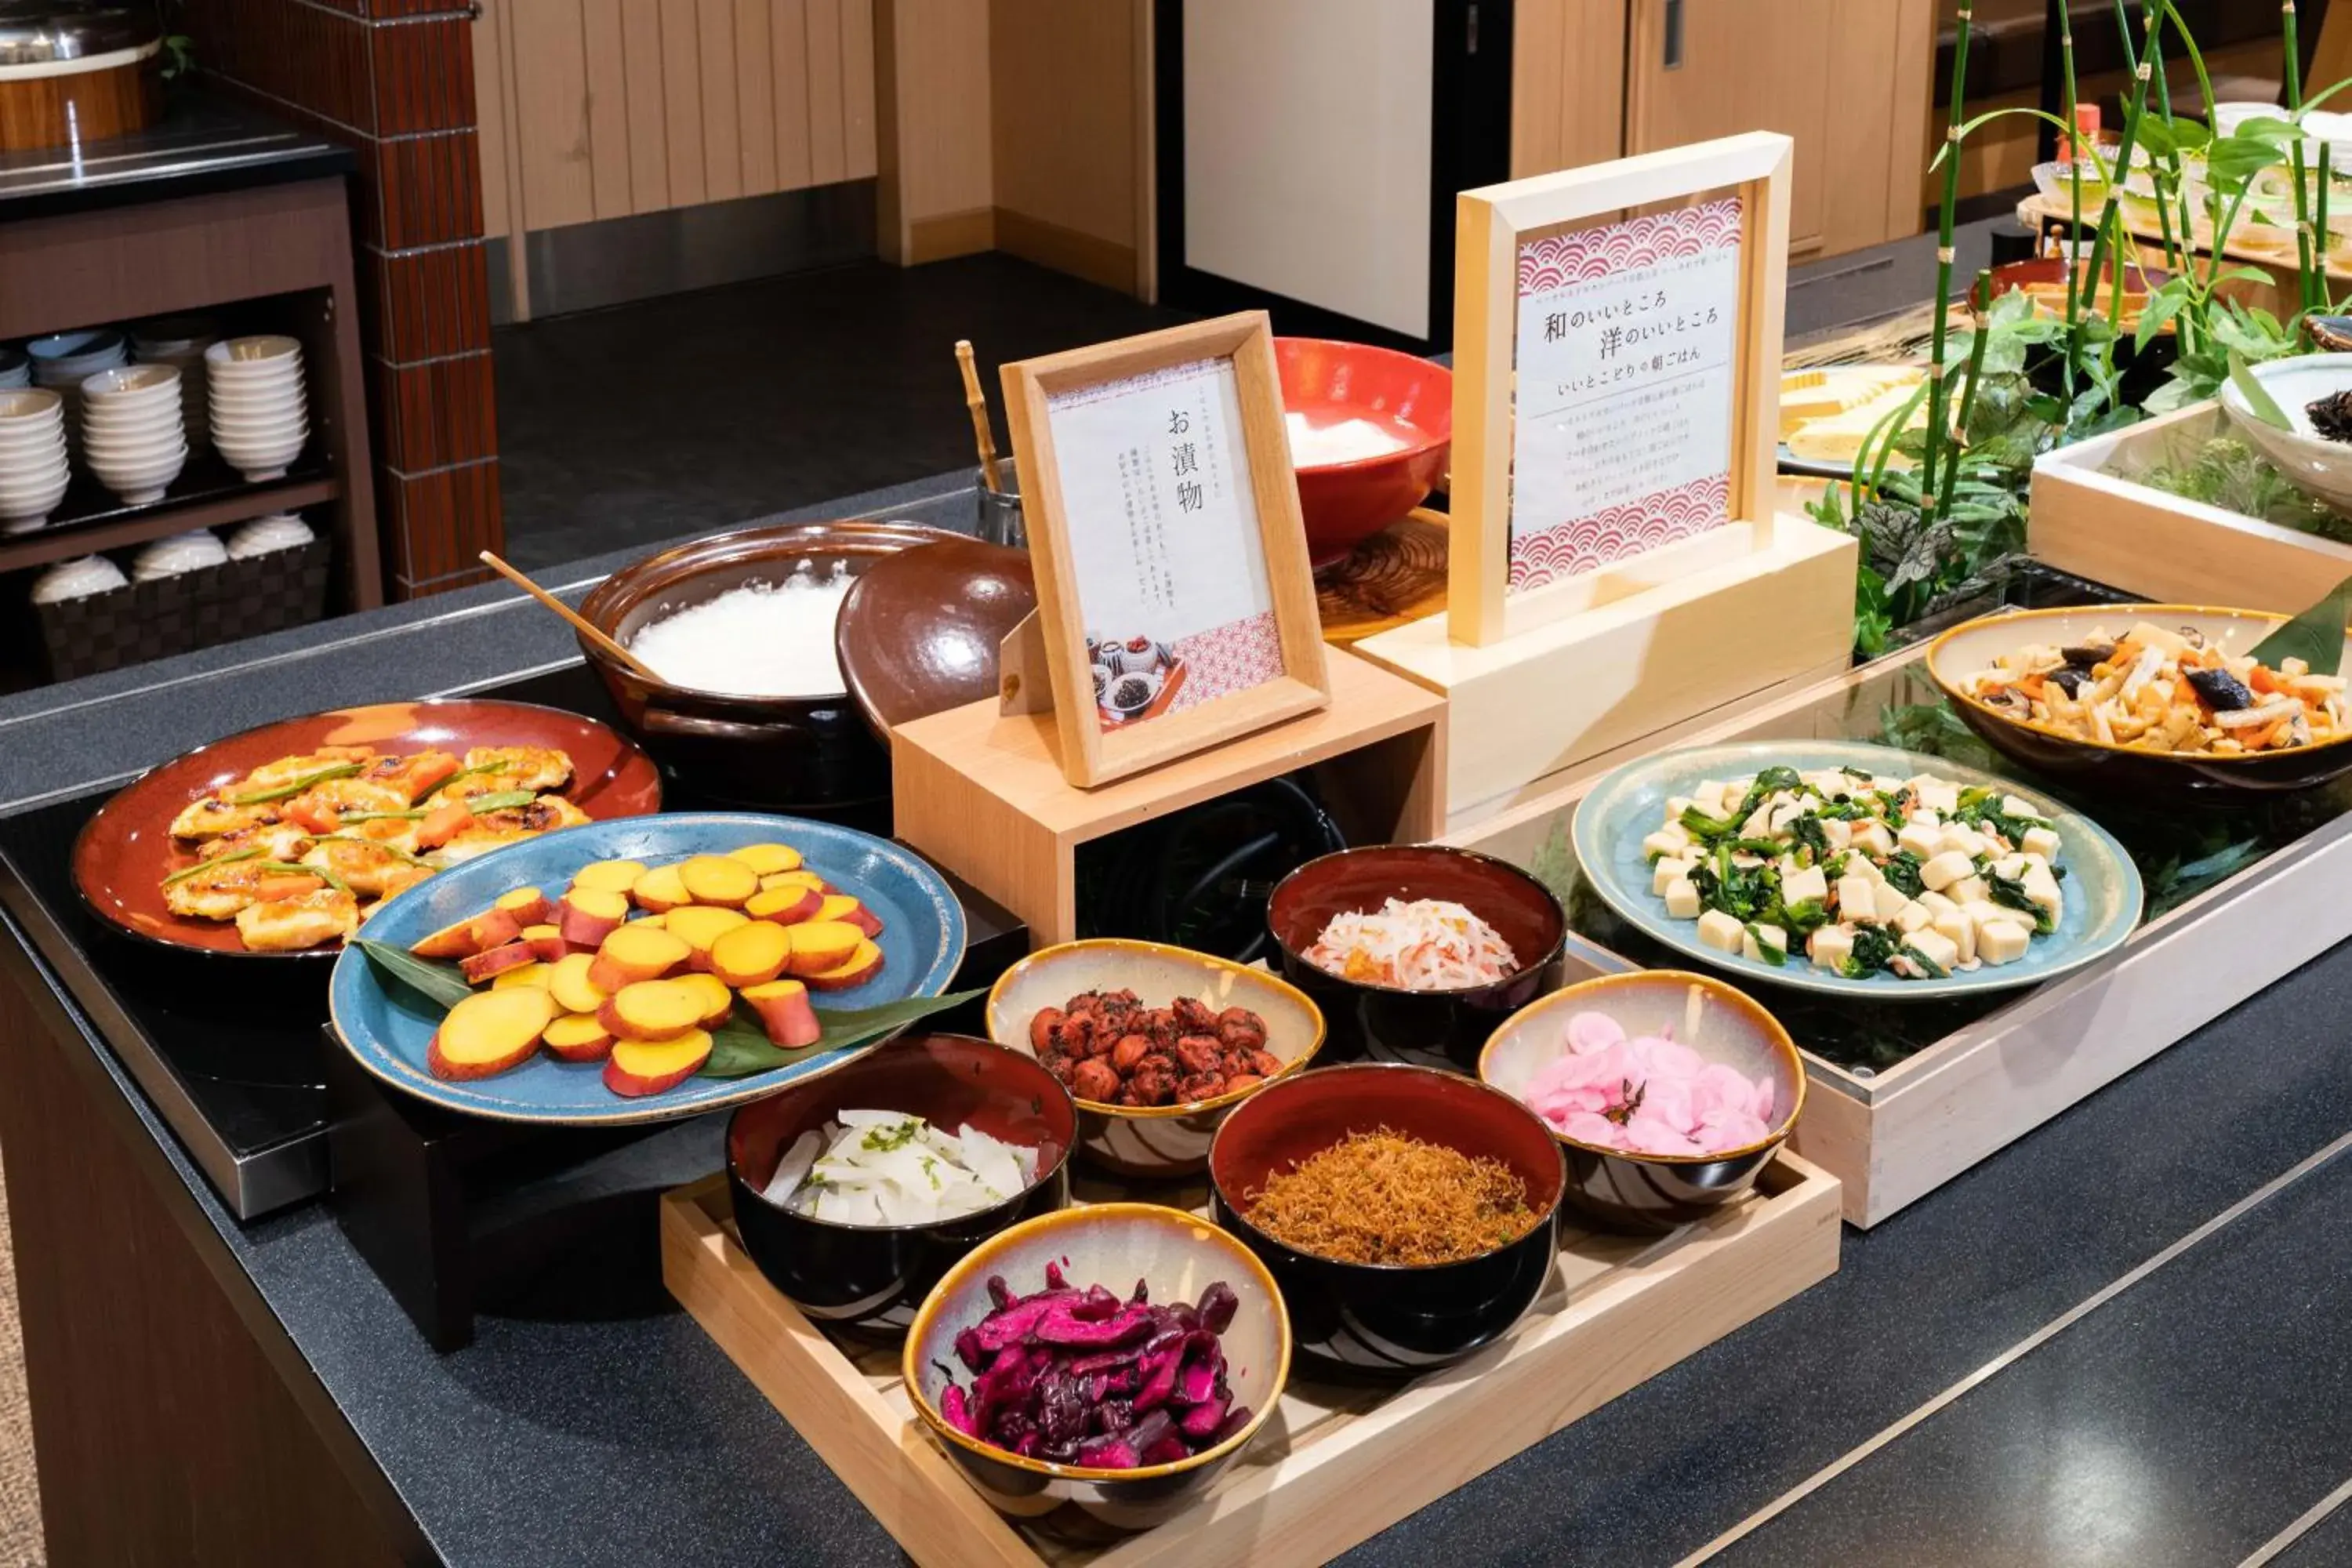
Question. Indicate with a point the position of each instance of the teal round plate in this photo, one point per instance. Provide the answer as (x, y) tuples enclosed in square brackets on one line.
[(2102, 885), (387, 1024)]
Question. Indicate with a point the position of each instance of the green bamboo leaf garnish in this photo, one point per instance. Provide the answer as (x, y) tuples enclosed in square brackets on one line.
[(2258, 397), (738, 1050), (440, 982), (395, 850), (2314, 637), (184, 872), (411, 815), (501, 801), (288, 791), (289, 869)]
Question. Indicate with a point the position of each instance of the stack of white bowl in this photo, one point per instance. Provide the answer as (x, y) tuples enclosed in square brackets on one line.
[(260, 415), (32, 471), (131, 432), (179, 341), (15, 370), (63, 360), (182, 553)]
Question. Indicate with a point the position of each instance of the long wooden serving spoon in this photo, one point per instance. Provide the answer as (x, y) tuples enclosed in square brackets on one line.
[(580, 622)]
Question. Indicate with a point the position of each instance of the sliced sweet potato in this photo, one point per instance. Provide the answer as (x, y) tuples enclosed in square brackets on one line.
[(820, 945), (768, 860), (588, 915), (567, 979), (654, 1010), (658, 890), (803, 878), (836, 907), (578, 1038), (865, 919), (699, 925), (718, 1002), (489, 1032), (492, 963), (752, 953), (546, 943), (642, 1067), (532, 974), (529, 906), (861, 966), (469, 936), (787, 905), (609, 875), (633, 953), (716, 879), (785, 1012)]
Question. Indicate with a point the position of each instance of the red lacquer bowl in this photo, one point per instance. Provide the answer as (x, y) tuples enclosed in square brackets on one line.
[(126, 850), (1408, 399)]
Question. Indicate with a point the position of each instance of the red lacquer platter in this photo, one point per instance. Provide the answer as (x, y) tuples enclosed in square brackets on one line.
[(126, 850)]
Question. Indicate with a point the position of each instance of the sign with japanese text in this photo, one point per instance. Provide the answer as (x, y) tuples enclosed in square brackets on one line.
[(1163, 531), (1625, 352)]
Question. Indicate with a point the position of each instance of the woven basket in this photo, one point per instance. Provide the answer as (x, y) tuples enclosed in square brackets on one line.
[(203, 609)]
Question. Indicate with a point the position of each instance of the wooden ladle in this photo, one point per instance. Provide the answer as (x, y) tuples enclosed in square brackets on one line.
[(580, 622)]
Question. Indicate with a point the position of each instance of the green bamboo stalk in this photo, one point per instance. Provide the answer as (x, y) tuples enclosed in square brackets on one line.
[(1937, 399), (2310, 248), (1983, 291), (2074, 181), (2137, 107)]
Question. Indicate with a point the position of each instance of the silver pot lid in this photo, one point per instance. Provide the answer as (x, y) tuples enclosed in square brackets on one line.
[(47, 31)]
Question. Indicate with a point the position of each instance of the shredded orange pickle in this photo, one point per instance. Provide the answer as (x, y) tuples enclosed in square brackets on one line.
[(1429, 944)]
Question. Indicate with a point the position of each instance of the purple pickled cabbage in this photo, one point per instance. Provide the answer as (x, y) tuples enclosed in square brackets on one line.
[(1083, 1377), (1059, 1325), (1113, 1453), (1201, 1423), (1218, 1304)]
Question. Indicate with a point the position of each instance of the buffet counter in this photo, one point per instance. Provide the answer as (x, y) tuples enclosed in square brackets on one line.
[(211, 1391)]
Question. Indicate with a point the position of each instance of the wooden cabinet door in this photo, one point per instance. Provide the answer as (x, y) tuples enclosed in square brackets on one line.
[(1847, 79)]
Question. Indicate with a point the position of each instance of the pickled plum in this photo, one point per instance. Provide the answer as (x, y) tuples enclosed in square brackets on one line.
[(1081, 1377)]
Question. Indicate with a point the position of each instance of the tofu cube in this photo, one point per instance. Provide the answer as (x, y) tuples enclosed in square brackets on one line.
[(1890, 900), (1857, 898), (1668, 871), (1708, 796), (1963, 840), (2041, 841), (1937, 795), (1873, 838), (2018, 805), (1669, 840), (1938, 904), (1942, 871), (1720, 932), (1796, 886), (1746, 861), (1959, 931), (1936, 946), (1968, 889), (1923, 838), (1773, 937), (2010, 866), (1914, 916), (1921, 815), (1759, 823), (1830, 946), (2042, 889), (1786, 812), (1674, 806), (1682, 899), (1837, 831), (2002, 941)]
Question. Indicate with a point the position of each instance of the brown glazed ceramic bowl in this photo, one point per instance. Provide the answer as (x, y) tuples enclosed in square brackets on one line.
[(1391, 1319), (1386, 1023), (1177, 1256), (872, 1277), (919, 630), (2125, 774), (1152, 1141), (1652, 1193), (126, 850), (767, 752)]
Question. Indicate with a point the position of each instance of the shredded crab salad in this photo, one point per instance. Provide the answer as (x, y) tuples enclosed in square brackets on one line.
[(2157, 690), (1916, 877), (1429, 944)]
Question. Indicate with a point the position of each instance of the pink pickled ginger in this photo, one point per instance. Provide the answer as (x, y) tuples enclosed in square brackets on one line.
[(1649, 1095)]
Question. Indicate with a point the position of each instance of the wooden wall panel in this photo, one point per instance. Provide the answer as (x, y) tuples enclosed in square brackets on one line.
[(933, 119), (857, 98), (550, 115), (491, 119), (1061, 96), (788, 48), (648, 122), (681, 58), (755, 96), (722, 136), (610, 167), (828, 148), (1568, 84)]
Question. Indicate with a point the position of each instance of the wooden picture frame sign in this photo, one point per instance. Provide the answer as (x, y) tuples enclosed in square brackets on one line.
[(1175, 600), (1617, 357)]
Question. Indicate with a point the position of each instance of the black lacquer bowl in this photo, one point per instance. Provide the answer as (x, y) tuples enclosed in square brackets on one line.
[(873, 1277), (1388, 1022), (1387, 1318), (1653, 1193)]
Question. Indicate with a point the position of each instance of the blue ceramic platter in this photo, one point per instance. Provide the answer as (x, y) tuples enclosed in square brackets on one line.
[(2102, 886), (386, 1025)]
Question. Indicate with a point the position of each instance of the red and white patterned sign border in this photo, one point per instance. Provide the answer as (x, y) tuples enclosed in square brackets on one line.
[(1590, 253), (1224, 659), (1584, 544)]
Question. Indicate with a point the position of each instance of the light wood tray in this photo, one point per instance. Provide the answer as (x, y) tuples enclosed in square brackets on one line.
[(1339, 1463)]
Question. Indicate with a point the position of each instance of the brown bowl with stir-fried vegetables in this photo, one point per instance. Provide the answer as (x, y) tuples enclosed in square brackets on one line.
[(2167, 701), (279, 841)]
